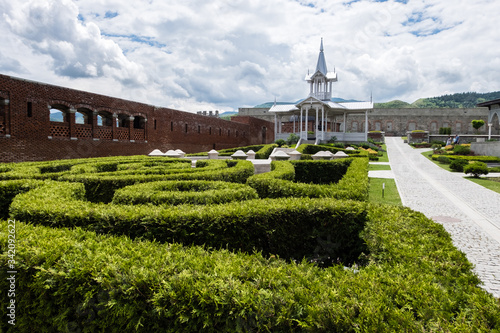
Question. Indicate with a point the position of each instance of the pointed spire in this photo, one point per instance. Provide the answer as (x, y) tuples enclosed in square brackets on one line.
[(321, 66)]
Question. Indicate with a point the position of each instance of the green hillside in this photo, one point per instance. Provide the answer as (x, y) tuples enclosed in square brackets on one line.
[(459, 100)]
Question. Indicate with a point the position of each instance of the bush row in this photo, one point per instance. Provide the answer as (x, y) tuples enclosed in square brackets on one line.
[(353, 185), (197, 192), (101, 187), (292, 228), (75, 280), (55, 169), (485, 159)]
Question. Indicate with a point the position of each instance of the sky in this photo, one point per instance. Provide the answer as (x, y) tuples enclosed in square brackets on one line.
[(195, 55)]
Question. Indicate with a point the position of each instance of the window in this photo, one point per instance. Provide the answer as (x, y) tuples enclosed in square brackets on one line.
[(82, 117), (104, 119), (155, 124), (199, 128), (139, 122), (30, 109), (57, 115), (171, 126), (186, 128)]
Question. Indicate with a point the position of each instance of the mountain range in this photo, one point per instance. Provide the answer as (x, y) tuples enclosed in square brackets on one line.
[(458, 100)]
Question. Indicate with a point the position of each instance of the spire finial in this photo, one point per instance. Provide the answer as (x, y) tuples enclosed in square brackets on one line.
[(321, 47)]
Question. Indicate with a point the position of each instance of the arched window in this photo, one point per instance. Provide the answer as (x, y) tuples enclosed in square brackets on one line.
[(123, 120), (104, 119), (58, 113), (83, 116), (139, 122)]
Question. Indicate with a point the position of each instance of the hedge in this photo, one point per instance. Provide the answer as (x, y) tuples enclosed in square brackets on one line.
[(265, 152), (320, 172), (198, 192), (291, 228), (485, 159), (10, 188), (101, 187), (415, 281), (353, 185)]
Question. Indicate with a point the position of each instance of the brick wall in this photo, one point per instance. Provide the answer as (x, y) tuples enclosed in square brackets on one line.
[(27, 134)]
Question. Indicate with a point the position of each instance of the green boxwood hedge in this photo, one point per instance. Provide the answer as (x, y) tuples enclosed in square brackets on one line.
[(353, 185), (75, 280), (198, 192), (291, 228)]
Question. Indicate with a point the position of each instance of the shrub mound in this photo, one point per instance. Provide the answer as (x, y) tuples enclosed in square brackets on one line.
[(197, 192)]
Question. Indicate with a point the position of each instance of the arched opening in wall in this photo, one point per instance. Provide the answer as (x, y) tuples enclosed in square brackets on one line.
[(122, 127), (412, 126), (123, 121), (139, 122), (210, 131), (83, 116), (83, 123), (458, 128), (495, 120), (59, 121), (104, 119), (104, 128), (199, 129), (378, 126), (139, 133), (58, 114), (264, 134)]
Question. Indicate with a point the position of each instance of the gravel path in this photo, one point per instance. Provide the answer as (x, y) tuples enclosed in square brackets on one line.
[(469, 212)]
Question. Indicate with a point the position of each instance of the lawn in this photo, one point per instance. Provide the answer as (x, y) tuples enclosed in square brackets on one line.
[(389, 195), (490, 183), (375, 167)]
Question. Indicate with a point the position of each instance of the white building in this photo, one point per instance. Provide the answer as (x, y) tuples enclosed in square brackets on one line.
[(317, 112)]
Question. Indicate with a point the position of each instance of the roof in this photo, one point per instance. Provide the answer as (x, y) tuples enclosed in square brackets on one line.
[(489, 103), (321, 65), (351, 106), (283, 108)]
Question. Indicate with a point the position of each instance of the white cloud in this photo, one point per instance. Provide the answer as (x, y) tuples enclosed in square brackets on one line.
[(201, 55)]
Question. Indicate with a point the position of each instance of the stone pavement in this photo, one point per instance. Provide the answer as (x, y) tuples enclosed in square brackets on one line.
[(469, 212)]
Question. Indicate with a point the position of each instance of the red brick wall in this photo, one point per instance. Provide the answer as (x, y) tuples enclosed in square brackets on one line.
[(27, 134)]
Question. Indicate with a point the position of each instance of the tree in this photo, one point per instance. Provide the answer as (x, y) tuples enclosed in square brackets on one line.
[(477, 124)]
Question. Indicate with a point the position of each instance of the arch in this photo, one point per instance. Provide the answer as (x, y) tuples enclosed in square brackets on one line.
[(104, 118), (495, 120), (139, 122), (58, 113), (83, 116), (123, 120), (492, 115)]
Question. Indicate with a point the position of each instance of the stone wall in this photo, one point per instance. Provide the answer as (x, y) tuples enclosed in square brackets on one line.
[(397, 122), (490, 148)]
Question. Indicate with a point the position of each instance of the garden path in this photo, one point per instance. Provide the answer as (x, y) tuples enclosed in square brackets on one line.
[(469, 212)]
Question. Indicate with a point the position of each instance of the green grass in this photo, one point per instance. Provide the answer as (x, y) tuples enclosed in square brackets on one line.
[(490, 183), (384, 157), (391, 194), (372, 167)]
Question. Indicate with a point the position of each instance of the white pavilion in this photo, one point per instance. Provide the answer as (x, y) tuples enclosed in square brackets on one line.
[(318, 113)]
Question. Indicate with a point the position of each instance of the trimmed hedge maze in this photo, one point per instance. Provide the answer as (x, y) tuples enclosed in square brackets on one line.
[(152, 244)]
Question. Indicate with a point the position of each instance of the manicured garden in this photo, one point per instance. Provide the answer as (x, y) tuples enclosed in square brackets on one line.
[(151, 244)]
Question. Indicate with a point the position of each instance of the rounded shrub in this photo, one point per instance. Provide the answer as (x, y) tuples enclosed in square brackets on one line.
[(443, 160), (476, 169), (458, 164), (461, 150)]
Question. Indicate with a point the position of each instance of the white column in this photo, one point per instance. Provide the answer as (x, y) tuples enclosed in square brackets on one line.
[(322, 123), (300, 121), (293, 123), (316, 124), (307, 121), (275, 126), (366, 125), (489, 130)]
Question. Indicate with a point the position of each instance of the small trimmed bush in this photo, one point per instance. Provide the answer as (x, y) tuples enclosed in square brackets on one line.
[(443, 159), (458, 165), (476, 169)]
